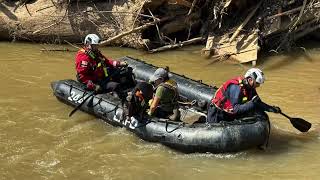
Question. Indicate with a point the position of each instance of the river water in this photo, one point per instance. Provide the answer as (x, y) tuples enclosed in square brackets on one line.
[(39, 141)]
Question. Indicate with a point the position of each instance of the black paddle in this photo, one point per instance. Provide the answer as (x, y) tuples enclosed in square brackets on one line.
[(300, 124), (79, 105)]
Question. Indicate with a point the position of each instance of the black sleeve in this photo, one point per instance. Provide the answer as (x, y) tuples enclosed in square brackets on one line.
[(234, 95), (263, 106)]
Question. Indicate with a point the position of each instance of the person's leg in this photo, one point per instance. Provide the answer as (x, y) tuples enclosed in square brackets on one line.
[(175, 116), (213, 114), (160, 113), (111, 86)]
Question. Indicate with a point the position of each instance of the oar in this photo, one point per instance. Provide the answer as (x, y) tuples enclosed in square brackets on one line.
[(79, 105), (300, 124)]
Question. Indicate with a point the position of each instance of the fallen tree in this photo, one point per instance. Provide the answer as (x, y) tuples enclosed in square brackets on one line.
[(53, 21)]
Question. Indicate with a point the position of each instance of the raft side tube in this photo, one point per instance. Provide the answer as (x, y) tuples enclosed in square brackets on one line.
[(188, 88), (198, 137)]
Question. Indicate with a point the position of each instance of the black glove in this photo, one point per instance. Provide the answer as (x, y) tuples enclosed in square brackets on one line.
[(274, 109)]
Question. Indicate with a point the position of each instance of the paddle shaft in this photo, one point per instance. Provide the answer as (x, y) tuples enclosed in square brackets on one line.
[(76, 108), (285, 115)]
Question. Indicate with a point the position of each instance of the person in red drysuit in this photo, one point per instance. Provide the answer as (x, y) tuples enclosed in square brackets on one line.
[(94, 70)]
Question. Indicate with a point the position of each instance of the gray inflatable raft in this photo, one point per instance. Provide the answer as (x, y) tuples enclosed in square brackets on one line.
[(187, 137)]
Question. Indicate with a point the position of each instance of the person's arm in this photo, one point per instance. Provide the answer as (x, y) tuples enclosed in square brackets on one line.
[(154, 105), (156, 100), (234, 91), (266, 107), (262, 106), (84, 69), (111, 62), (116, 63)]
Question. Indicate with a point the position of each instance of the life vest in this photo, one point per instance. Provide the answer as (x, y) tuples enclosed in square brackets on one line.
[(220, 99), (100, 63), (172, 85)]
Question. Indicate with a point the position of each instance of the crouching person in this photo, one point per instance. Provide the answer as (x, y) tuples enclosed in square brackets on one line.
[(137, 100), (165, 101), (238, 97)]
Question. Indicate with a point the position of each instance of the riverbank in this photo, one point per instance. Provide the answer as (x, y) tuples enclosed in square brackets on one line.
[(39, 141), (232, 29)]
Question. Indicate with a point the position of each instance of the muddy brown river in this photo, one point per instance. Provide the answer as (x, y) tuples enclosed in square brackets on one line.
[(39, 141)]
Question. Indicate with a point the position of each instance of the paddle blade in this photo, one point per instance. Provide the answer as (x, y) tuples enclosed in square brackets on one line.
[(300, 124)]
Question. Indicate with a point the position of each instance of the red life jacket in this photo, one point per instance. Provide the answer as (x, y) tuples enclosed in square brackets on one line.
[(221, 101)]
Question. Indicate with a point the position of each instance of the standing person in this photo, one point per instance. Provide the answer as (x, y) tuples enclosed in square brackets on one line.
[(238, 96), (94, 69), (165, 101), (137, 100)]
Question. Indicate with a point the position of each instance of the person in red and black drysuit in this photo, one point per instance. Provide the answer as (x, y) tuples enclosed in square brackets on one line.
[(94, 70), (237, 97)]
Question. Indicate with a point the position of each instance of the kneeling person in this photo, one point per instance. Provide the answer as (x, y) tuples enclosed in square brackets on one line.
[(238, 97), (137, 100), (165, 101), (93, 68)]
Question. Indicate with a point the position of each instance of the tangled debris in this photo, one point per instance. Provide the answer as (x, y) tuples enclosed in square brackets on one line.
[(236, 29)]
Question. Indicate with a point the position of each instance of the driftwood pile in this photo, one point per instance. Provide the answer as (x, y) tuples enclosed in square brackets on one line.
[(236, 29)]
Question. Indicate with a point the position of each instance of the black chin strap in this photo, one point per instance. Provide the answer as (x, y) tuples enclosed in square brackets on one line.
[(246, 83)]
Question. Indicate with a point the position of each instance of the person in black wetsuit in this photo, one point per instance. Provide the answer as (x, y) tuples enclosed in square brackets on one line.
[(137, 100)]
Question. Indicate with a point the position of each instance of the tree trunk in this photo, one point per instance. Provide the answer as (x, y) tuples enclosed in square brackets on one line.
[(43, 21)]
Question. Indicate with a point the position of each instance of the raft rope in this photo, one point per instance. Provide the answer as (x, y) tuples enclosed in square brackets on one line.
[(102, 108), (180, 125), (114, 109), (100, 99)]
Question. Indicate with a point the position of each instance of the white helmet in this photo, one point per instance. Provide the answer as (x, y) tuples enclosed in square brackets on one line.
[(256, 74), (92, 39)]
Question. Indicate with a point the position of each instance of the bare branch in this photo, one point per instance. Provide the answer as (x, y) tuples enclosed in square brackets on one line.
[(56, 23), (180, 44), (129, 32)]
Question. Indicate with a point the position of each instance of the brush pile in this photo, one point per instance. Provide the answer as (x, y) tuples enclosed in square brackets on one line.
[(236, 29)]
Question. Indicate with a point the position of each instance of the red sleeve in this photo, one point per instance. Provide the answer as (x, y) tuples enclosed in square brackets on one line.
[(111, 62), (84, 68)]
